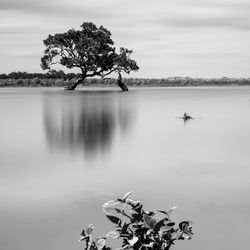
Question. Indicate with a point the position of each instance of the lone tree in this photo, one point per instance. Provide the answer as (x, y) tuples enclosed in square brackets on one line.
[(89, 49)]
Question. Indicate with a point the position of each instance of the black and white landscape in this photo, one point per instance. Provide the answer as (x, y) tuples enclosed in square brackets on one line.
[(178, 137)]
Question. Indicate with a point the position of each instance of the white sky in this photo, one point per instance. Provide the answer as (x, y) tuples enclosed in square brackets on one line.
[(197, 38)]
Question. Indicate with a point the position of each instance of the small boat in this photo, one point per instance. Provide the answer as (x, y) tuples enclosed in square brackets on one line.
[(187, 117)]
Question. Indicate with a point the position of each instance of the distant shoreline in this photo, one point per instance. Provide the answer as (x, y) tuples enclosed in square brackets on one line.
[(136, 82)]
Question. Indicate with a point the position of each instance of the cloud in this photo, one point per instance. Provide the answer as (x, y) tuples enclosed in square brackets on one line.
[(25, 30), (210, 22), (57, 8), (207, 14), (160, 32), (25, 5)]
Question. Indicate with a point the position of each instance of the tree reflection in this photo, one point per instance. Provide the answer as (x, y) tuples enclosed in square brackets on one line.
[(86, 121)]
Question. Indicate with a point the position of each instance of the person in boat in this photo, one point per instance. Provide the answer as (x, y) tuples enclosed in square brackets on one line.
[(186, 116)]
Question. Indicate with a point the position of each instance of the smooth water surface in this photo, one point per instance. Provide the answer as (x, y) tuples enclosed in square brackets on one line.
[(63, 154)]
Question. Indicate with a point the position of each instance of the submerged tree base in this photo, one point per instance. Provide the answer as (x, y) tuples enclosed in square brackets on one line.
[(123, 86), (72, 87), (120, 83)]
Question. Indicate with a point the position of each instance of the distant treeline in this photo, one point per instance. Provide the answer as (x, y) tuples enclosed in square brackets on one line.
[(53, 74), (59, 79)]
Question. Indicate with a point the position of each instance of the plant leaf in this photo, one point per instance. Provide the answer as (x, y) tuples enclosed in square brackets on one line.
[(165, 228), (171, 210), (112, 235), (149, 221), (114, 219), (100, 243), (83, 233), (118, 210), (158, 225), (133, 240), (176, 235), (109, 210), (170, 224), (126, 195), (83, 238), (163, 212), (89, 230), (111, 203)]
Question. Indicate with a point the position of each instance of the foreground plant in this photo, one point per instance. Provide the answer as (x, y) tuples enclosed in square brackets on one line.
[(139, 230)]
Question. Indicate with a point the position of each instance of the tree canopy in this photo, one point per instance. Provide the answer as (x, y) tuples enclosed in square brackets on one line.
[(89, 49)]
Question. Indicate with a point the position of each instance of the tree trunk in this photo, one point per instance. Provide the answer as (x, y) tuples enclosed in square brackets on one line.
[(74, 85), (121, 84)]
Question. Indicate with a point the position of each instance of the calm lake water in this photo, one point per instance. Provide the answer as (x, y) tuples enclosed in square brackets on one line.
[(63, 154)]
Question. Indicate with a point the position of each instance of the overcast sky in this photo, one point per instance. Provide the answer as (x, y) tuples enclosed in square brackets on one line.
[(197, 38)]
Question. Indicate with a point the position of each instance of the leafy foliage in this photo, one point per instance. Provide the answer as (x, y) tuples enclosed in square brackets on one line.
[(140, 230), (90, 49)]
